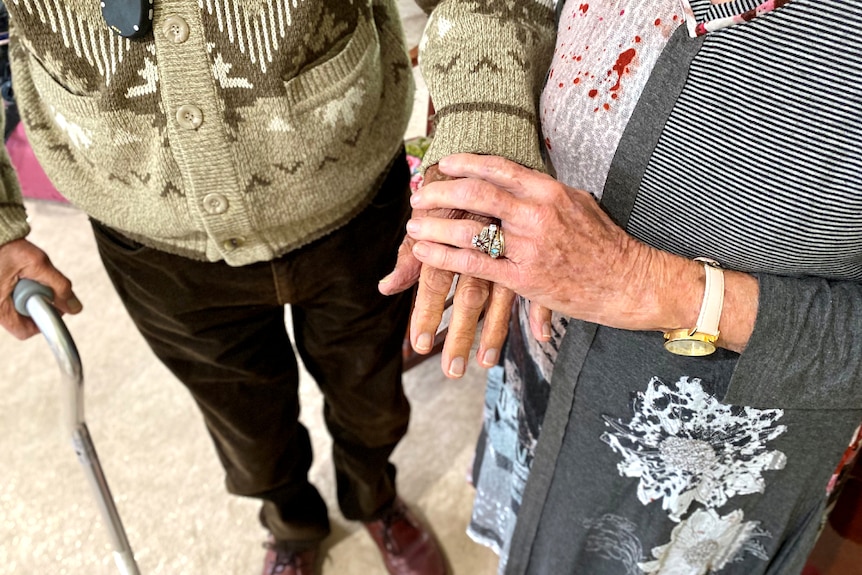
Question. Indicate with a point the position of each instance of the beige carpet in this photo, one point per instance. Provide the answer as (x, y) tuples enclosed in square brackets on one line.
[(159, 461)]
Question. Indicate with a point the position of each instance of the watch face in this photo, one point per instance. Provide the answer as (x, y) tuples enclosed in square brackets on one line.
[(689, 347)]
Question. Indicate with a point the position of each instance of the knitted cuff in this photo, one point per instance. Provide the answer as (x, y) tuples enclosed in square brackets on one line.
[(492, 132), (13, 223)]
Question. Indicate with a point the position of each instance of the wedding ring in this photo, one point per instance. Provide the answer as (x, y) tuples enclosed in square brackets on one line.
[(482, 241), (490, 241), (498, 245)]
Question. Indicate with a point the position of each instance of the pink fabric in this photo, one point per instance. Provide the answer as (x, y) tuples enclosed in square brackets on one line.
[(34, 183), (700, 28)]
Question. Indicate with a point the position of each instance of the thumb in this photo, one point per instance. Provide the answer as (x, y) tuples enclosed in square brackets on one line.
[(406, 272)]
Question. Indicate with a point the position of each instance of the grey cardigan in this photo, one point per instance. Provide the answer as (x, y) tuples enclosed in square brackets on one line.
[(805, 339)]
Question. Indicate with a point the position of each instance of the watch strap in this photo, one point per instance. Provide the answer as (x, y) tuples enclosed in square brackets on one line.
[(713, 299)]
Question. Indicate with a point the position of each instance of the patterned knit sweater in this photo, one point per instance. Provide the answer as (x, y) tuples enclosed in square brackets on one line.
[(485, 62), (238, 130)]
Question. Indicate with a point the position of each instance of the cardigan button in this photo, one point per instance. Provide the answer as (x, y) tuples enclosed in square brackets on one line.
[(215, 204), (189, 117), (176, 29), (233, 243)]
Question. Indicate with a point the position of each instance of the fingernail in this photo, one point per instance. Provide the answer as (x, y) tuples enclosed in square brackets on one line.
[(420, 250), (412, 226), (456, 368), (415, 198), (387, 279), (423, 342), (546, 330), (490, 358), (74, 305)]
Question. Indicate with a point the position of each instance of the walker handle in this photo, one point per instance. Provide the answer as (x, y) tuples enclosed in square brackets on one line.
[(24, 290)]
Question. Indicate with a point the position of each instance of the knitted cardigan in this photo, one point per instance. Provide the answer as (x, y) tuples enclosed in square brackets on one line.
[(237, 130)]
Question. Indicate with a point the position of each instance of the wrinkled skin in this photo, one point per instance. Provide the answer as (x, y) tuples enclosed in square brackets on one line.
[(20, 259), (565, 253), (472, 296)]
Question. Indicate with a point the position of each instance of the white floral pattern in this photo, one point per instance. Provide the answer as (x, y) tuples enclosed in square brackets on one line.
[(686, 446), (706, 543)]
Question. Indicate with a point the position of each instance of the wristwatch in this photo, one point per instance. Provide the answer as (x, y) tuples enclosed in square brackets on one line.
[(700, 339)]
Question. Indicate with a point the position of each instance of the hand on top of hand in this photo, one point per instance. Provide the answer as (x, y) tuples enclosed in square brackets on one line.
[(561, 249), (20, 259), (471, 297)]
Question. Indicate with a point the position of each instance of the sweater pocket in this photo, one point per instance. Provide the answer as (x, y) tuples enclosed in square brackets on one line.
[(340, 89), (56, 96), (96, 152), (85, 144)]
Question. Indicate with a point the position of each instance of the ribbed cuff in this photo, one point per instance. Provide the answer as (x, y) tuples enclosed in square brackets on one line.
[(13, 223), (488, 132)]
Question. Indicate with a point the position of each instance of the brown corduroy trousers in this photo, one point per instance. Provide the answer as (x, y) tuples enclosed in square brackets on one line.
[(221, 331)]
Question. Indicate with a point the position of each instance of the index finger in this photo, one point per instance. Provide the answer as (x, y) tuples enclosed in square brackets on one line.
[(467, 194), (509, 175)]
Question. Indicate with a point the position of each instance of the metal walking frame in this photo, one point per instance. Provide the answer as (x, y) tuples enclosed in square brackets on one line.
[(34, 300)]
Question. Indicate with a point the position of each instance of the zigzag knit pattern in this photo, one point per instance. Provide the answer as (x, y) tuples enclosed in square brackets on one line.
[(236, 130), (485, 86)]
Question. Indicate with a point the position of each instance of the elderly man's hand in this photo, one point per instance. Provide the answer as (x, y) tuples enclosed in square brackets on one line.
[(471, 297), (20, 259)]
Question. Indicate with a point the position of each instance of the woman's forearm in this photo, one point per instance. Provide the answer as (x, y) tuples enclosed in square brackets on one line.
[(677, 290)]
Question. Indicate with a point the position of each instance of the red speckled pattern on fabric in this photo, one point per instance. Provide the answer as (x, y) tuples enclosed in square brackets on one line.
[(604, 55)]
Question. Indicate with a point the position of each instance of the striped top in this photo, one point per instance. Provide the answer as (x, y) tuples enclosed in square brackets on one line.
[(769, 120), (772, 174)]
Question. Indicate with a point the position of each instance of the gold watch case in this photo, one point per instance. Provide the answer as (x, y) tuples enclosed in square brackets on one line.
[(684, 342)]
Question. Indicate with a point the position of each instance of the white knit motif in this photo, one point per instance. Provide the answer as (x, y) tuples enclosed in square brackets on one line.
[(343, 108), (221, 72), (150, 74), (100, 47), (256, 30), (79, 136)]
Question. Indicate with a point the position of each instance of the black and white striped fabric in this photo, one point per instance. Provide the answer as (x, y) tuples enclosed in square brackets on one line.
[(760, 163)]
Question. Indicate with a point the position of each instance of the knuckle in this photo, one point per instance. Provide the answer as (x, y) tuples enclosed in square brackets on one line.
[(435, 281), (499, 165), (428, 310), (37, 259), (64, 284), (451, 259), (425, 316), (459, 340), (465, 235), (472, 294), (472, 190)]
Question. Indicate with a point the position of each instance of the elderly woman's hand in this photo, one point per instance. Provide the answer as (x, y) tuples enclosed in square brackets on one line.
[(561, 249)]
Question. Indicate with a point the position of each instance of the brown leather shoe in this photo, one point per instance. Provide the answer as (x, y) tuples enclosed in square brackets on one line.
[(407, 547), (280, 561)]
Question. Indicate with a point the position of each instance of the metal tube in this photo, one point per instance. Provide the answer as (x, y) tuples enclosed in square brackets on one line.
[(86, 452), (66, 353), (63, 347)]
